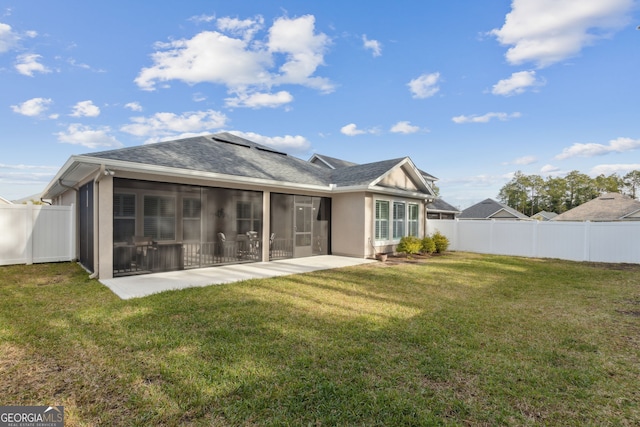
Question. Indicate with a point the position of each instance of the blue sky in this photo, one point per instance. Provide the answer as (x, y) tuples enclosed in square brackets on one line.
[(471, 90)]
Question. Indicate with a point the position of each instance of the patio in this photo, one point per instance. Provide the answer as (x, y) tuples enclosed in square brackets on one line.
[(146, 284)]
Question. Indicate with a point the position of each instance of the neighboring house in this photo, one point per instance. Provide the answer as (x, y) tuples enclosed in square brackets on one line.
[(544, 216), (608, 207), (4, 201), (490, 209), (221, 199), (439, 209)]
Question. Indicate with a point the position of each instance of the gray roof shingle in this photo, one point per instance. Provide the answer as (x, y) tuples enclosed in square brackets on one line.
[(608, 207), (223, 153), (487, 208)]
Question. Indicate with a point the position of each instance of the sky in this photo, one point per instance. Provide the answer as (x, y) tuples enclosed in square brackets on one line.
[(472, 91)]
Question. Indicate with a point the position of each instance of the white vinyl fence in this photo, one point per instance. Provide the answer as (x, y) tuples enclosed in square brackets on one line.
[(614, 242), (36, 233)]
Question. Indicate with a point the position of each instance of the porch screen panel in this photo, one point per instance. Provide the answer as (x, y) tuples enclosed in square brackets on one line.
[(124, 217), (160, 217), (191, 209)]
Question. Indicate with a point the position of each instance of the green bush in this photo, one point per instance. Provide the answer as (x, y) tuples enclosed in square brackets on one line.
[(428, 245), (409, 245), (441, 242)]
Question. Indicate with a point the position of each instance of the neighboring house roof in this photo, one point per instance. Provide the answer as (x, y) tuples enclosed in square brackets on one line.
[(229, 158), (544, 216), (491, 209), (439, 205), (4, 201), (608, 207)]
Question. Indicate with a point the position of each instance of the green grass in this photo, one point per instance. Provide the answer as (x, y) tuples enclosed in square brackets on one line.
[(460, 339)]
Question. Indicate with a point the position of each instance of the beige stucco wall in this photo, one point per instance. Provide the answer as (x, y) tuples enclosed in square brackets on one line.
[(399, 179), (347, 224)]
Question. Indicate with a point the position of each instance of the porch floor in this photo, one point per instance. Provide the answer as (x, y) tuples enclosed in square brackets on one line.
[(147, 284)]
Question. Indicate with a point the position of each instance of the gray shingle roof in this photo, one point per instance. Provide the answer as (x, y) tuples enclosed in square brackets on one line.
[(333, 162), (487, 208), (608, 207), (223, 153), (362, 174), (439, 205)]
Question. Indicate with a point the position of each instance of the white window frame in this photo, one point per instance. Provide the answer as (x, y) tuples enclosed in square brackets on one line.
[(381, 225), (399, 219), (413, 224), (159, 221)]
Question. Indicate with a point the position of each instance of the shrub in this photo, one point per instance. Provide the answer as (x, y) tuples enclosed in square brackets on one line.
[(441, 242), (409, 245), (428, 245)]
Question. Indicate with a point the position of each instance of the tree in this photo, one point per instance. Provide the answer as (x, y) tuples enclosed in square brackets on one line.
[(535, 185), (631, 182), (514, 193), (555, 195), (608, 184), (581, 189)]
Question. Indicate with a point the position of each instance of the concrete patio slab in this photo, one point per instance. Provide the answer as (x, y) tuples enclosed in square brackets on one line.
[(147, 284)]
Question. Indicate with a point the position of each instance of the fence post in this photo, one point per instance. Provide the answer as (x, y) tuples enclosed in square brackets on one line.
[(28, 229), (534, 239), (586, 256), (72, 232)]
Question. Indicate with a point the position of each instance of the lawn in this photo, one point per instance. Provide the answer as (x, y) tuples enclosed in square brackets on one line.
[(460, 339)]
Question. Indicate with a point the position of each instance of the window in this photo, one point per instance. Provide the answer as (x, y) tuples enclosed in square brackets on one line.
[(160, 217), (248, 217), (382, 220), (191, 219), (398, 219), (413, 219), (124, 217)]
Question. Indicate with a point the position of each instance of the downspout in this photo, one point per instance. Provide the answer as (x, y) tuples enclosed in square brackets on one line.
[(101, 172)]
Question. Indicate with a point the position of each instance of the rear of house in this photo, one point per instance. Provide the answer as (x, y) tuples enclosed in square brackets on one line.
[(220, 199)]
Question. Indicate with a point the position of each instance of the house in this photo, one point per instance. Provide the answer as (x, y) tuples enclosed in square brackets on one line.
[(221, 199), (544, 216), (439, 209), (607, 207), (4, 201), (491, 209)]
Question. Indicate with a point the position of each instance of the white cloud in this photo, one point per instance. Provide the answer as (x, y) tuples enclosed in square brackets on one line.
[(619, 145), (550, 170), (404, 127), (525, 160), (352, 130), (548, 31), (485, 118), (28, 63), (516, 84), (235, 58), (425, 86), (170, 124), (133, 106), (259, 100), (203, 18), (287, 143), (88, 137), (304, 50), (374, 45), (246, 28), (621, 169), (32, 107), (8, 38), (85, 109)]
